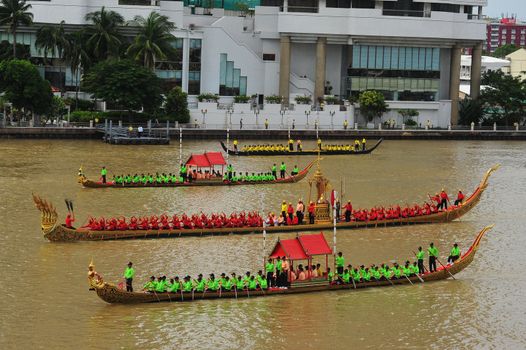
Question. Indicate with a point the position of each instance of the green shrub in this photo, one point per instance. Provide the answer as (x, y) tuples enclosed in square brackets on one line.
[(207, 97), (303, 100), (80, 105), (273, 99), (332, 100), (241, 99)]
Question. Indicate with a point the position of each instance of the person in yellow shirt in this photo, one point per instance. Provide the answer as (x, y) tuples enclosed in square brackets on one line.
[(319, 144), (284, 207), (291, 145), (363, 144), (235, 145)]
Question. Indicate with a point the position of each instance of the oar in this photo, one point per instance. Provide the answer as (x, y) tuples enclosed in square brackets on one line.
[(408, 279), (353, 284), (420, 278), (235, 291), (446, 269), (182, 298), (156, 296)]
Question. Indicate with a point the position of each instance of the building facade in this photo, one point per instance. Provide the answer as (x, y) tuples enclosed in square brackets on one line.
[(506, 31), (410, 50)]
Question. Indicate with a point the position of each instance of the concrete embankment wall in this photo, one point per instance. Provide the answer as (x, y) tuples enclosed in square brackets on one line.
[(220, 134)]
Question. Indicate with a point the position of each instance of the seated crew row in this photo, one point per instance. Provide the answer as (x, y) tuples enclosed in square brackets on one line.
[(164, 222), (186, 174), (289, 147), (280, 274)]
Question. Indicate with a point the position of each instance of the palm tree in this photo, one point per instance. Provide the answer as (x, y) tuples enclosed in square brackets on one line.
[(51, 39), (154, 40), (77, 57), (13, 13), (104, 38)]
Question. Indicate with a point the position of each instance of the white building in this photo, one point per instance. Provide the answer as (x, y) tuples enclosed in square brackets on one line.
[(408, 49), (488, 63)]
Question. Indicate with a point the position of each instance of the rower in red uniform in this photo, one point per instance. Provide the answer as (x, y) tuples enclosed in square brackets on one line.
[(460, 198), (444, 199), (348, 211), (70, 220), (312, 212)]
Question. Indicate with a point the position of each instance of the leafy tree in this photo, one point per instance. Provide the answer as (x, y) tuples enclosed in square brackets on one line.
[(24, 87), (176, 105), (372, 104), (77, 57), (504, 50), (57, 108), (505, 97), (6, 51), (470, 111), (51, 39), (407, 115), (104, 37), (154, 40), (125, 83), (14, 13)]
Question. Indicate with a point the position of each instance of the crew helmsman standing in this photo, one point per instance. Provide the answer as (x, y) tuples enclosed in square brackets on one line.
[(363, 144), (319, 144), (269, 268), (433, 256), (340, 263), (454, 255), (291, 145), (282, 169), (275, 171), (460, 198), (235, 145), (129, 273), (103, 173), (420, 259)]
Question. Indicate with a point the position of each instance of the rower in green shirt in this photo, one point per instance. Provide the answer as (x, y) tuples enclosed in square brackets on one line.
[(227, 284), (252, 283), (386, 272), (454, 255), (420, 260), (346, 276), (150, 285), (212, 283), (356, 275), (187, 285), (175, 285), (375, 273), (330, 275), (269, 269), (136, 179), (415, 268), (295, 171), (103, 173), (200, 284), (129, 273), (160, 287), (433, 256), (340, 263), (396, 273)]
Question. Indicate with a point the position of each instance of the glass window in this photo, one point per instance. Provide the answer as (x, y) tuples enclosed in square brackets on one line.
[(222, 69), (429, 59), (379, 57), (394, 58), (372, 56), (356, 56), (363, 57), (387, 58), (409, 58), (421, 59), (401, 64)]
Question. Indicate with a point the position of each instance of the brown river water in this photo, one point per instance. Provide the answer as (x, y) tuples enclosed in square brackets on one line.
[(46, 303)]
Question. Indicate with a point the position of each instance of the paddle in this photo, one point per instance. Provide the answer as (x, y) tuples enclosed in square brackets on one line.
[(420, 278), (446, 269), (235, 291), (408, 279)]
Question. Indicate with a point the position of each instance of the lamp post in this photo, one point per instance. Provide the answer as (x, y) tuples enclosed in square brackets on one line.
[(307, 113), (204, 111), (332, 113), (229, 112), (282, 112)]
